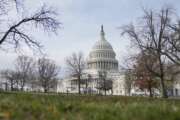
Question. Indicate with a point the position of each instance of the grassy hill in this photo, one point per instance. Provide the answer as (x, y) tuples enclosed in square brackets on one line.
[(26, 106)]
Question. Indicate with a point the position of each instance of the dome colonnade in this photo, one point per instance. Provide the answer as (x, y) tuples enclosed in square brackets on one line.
[(102, 56)]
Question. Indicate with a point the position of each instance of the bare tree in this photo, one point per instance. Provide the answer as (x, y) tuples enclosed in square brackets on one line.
[(48, 74), (76, 65), (85, 82), (104, 83), (16, 34), (128, 68), (24, 66), (144, 78), (129, 79), (32, 82), (88, 80), (150, 37), (10, 77)]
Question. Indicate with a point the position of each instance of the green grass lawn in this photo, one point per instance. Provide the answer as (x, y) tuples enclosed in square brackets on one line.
[(21, 106)]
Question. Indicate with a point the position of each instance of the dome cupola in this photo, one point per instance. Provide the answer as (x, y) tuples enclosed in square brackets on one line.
[(102, 43)]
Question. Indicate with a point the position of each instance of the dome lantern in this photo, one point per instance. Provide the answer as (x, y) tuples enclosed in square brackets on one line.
[(102, 33)]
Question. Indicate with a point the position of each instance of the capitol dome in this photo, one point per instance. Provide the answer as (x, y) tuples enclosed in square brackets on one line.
[(102, 56), (102, 44)]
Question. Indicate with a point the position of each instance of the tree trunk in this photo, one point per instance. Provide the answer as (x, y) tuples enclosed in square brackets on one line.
[(79, 84), (45, 87), (86, 86), (22, 88), (6, 86), (129, 91), (104, 86), (12, 86), (163, 89), (45, 90), (164, 93), (150, 91)]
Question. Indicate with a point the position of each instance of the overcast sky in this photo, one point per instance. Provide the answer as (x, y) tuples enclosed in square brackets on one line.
[(81, 21)]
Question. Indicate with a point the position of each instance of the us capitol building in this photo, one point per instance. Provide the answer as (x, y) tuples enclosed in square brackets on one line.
[(102, 59)]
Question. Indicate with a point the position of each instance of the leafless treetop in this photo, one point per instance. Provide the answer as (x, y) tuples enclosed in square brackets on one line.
[(16, 35)]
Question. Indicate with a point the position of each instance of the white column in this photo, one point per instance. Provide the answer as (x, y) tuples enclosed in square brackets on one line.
[(107, 65), (101, 65)]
